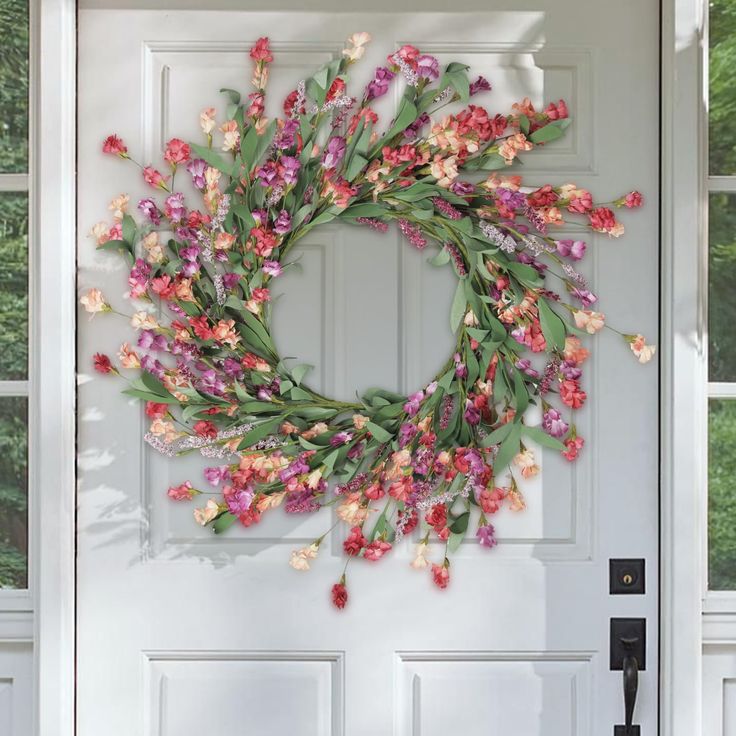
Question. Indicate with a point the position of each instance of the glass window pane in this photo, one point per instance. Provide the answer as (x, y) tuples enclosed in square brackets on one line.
[(13, 492), (722, 494), (721, 293), (14, 86), (13, 285), (722, 94)]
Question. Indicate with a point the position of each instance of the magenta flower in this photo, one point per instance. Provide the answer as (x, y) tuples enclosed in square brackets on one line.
[(411, 407), (282, 224), (480, 85), (174, 207), (341, 438), (238, 501), (272, 268), (428, 67), (150, 210), (380, 83), (574, 249), (268, 174), (472, 414), (334, 152), (215, 476), (196, 168), (553, 423), (486, 536), (289, 169)]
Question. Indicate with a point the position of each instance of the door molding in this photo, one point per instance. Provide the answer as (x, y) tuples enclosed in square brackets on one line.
[(53, 276), (683, 385), (682, 495)]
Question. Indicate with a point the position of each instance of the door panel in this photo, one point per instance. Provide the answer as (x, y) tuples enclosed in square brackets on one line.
[(182, 633)]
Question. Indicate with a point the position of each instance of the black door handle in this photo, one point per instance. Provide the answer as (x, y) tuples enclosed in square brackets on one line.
[(631, 682)]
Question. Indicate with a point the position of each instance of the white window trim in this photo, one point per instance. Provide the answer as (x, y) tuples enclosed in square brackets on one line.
[(682, 396), (53, 287)]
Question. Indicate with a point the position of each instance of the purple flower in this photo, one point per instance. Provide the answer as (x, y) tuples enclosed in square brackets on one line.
[(150, 210), (286, 137), (289, 169), (296, 467), (480, 85), (301, 502), (412, 131), (153, 366), (233, 368), (411, 407), (486, 536), (230, 280), (462, 188), (586, 297), (341, 438), (519, 334), (268, 174), (260, 216), (570, 370), (149, 340), (428, 67), (413, 234), (553, 423), (513, 200), (211, 383), (215, 476), (431, 388), (472, 414), (356, 451), (174, 205), (272, 268), (461, 370), (283, 223), (265, 393), (407, 432), (380, 83), (334, 152), (196, 167), (574, 249), (525, 365), (239, 501), (189, 269)]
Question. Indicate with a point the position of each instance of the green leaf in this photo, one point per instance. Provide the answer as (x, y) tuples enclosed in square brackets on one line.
[(379, 432), (364, 210), (148, 396), (299, 371), (508, 449), (550, 132), (214, 159), (223, 523), (264, 141), (356, 165), (233, 95), (460, 525), (299, 394), (153, 385), (459, 303), (498, 435), (129, 229), (442, 257), (476, 334), (521, 394), (454, 541), (406, 116), (524, 273), (524, 124), (258, 433), (553, 327), (542, 438)]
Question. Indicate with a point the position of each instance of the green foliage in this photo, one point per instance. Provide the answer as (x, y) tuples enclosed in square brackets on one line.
[(13, 492), (13, 293), (14, 86)]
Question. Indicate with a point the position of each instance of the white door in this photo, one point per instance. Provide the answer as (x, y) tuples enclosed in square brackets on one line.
[(184, 634)]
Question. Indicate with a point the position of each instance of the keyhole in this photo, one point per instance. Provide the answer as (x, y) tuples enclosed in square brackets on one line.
[(628, 579)]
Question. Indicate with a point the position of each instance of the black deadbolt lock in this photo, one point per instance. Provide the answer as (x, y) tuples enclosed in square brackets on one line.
[(626, 577)]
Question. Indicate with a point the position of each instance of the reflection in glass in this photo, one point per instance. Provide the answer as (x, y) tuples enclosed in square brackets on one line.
[(13, 492), (13, 286), (13, 86)]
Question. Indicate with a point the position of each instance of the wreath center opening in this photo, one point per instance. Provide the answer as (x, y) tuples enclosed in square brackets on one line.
[(364, 309)]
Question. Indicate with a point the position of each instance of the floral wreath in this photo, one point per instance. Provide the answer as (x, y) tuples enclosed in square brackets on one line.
[(212, 380)]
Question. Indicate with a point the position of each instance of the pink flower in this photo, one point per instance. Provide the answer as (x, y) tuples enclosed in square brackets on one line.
[(155, 178), (573, 445), (260, 50), (339, 595), (441, 575), (375, 550), (572, 395), (114, 144), (102, 363), (182, 492), (177, 152), (633, 199), (643, 352)]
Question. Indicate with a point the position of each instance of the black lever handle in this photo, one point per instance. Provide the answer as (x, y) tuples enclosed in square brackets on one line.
[(631, 682)]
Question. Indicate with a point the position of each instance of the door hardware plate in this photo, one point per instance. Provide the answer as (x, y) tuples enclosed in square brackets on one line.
[(621, 731), (626, 577), (628, 628)]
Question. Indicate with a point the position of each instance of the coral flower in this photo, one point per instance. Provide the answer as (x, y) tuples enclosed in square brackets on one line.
[(441, 574), (114, 144), (339, 594), (94, 301), (589, 321), (102, 363), (177, 152), (641, 350)]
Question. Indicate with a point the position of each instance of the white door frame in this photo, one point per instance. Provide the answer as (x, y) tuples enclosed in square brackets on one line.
[(683, 377)]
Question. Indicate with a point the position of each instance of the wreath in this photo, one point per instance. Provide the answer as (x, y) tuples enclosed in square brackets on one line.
[(212, 380)]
